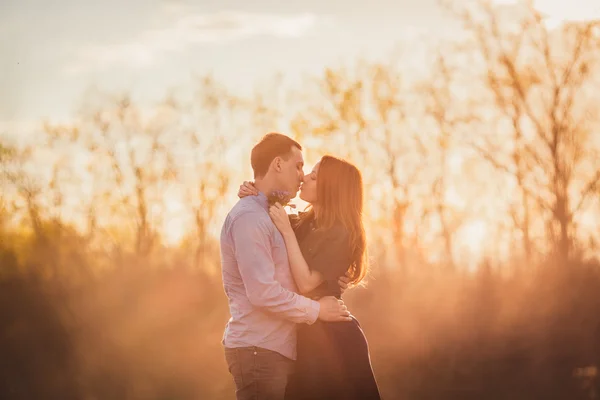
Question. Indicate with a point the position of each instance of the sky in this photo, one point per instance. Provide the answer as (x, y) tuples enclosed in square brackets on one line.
[(51, 51)]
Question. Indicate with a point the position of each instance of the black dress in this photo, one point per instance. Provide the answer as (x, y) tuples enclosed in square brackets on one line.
[(333, 359)]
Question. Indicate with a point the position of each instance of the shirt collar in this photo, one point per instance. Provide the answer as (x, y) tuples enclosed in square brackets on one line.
[(261, 198)]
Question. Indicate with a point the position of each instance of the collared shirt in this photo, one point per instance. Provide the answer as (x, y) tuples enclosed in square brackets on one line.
[(258, 282)]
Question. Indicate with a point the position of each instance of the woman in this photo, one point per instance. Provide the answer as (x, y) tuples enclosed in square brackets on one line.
[(323, 243)]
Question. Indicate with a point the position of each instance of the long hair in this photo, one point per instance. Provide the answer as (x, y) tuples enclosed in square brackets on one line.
[(340, 199)]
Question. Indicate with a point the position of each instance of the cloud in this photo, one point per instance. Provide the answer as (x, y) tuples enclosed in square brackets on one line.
[(187, 30), (18, 132), (558, 11)]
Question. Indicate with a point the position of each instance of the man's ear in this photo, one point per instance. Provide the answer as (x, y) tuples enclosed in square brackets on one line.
[(277, 164)]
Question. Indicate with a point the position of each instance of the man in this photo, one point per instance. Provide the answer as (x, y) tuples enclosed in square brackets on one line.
[(260, 337)]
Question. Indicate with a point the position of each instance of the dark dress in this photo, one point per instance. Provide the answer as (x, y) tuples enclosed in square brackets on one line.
[(333, 359)]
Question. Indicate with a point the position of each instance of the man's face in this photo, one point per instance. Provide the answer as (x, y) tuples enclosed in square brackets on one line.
[(292, 173)]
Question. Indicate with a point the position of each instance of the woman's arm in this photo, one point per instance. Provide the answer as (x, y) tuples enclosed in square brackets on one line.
[(306, 280)]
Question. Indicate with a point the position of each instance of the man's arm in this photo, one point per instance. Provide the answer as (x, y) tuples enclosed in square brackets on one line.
[(251, 238)]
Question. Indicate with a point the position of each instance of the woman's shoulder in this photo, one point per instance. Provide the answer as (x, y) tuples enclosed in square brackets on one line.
[(338, 232)]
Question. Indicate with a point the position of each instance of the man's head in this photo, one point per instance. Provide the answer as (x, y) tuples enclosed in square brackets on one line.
[(278, 159)]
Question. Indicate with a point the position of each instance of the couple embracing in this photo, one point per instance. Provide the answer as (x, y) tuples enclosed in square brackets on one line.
[(290, 336)]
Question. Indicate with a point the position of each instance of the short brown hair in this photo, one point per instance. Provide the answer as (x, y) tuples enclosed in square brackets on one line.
[(270, 146)]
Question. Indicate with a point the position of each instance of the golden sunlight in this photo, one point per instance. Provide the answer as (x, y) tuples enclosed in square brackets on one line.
[(453, 198), (175, 224), (473, 235), (473, 124)]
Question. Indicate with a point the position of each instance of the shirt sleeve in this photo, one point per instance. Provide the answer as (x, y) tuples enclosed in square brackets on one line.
[(252, 243), (332, 256)]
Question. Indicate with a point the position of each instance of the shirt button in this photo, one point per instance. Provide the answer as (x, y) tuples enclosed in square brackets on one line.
[(255, 353)]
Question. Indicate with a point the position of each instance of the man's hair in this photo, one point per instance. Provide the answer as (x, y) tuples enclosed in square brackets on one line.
[(272, 145)]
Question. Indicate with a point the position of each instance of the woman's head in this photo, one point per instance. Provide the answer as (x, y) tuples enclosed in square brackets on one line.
[(335, 190)]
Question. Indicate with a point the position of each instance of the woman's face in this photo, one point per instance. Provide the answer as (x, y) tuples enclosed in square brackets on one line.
[(308, 190)]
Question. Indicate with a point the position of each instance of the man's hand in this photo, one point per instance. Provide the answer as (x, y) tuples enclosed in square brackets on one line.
[(344, 282), (333, 310), (247, 189)]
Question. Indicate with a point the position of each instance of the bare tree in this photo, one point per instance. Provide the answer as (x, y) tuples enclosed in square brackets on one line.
[(29, 188), (401, 149), (6, 156), (340, 111), (362, 114), (447, 118), (125, 167), (540, 81), (206, 174), (267, 105), (27, 199)]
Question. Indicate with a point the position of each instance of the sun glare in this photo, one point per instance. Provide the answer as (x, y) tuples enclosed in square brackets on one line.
[(453, 198), (473, 235), (174, 227)]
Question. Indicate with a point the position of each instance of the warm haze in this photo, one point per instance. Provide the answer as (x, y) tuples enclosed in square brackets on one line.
[(125, 132)]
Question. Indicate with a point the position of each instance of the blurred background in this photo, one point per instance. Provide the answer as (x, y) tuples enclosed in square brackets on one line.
[(126, 129)]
